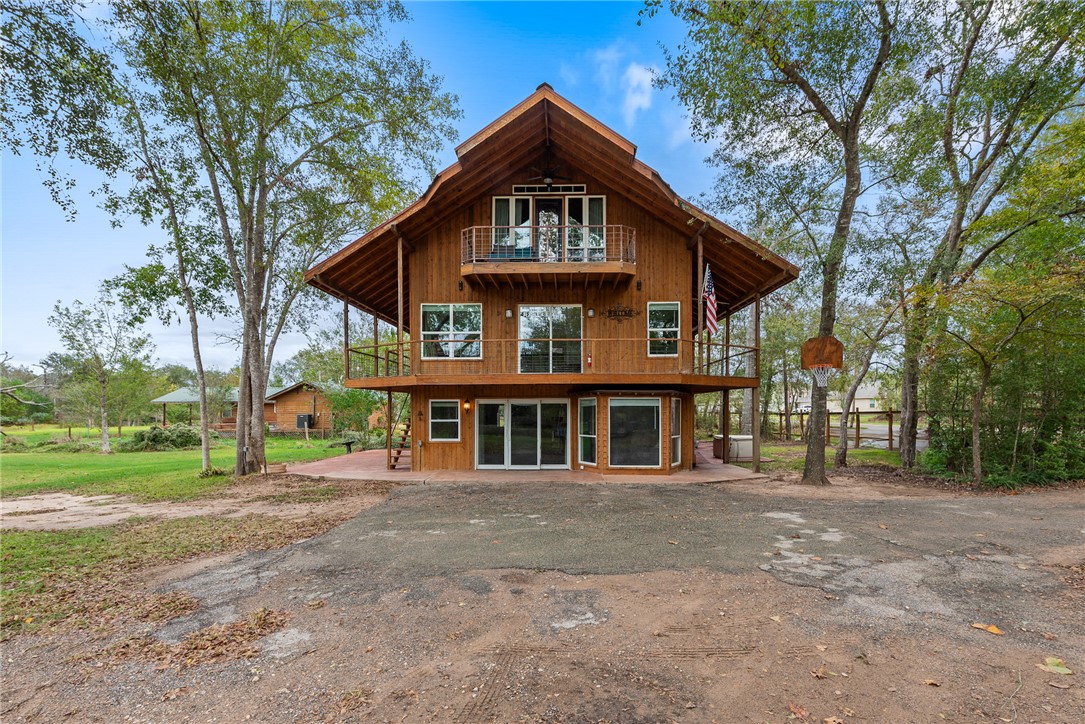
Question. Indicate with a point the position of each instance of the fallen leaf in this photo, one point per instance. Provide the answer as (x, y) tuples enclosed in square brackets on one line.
[(847, 711), (988, 628), (672, 542), (1053, 665), (883, 526), (818, 673), (174, 693), (1057, 685), (774, 618), (797, 711), (318, 603), (1048, 636), (931, 682), (832, 720), (821, 647), (815, 558)]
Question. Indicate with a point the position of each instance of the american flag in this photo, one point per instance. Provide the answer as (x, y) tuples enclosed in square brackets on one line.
[(710, 302)]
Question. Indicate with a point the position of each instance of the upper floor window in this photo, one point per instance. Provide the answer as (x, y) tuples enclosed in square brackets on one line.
[(663, 325), (451, 330), (550, 228), (550, 338)]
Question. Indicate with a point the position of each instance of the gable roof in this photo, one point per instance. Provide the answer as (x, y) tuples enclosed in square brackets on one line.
[(358, 273), (190, 395)]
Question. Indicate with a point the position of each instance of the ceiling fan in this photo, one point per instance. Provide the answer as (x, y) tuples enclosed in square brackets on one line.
[(548, 174)]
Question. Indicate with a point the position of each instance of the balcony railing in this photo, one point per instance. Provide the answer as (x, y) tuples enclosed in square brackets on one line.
[(573, 243), (533, 357)]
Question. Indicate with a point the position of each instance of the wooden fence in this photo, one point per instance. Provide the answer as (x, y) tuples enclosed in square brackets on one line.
[(775, 423)]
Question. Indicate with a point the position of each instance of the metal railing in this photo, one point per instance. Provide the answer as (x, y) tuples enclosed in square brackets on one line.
[(572, 243), (479, 357)]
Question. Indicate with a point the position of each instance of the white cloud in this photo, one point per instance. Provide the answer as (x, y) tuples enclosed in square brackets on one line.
[(637, 86), (606, 64)]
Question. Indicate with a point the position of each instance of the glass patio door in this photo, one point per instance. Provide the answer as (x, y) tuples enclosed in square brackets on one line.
[(522, 435)]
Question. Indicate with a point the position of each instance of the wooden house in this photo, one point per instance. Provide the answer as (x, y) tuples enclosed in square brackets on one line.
[(286, 409), (546, 292)]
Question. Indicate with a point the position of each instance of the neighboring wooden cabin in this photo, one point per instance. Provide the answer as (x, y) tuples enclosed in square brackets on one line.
[(546, 291), (282, 407)]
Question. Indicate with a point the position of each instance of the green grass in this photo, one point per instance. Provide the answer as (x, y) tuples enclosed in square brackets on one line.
[(52, 575), (148, 476), (34, 434), (791, 457)]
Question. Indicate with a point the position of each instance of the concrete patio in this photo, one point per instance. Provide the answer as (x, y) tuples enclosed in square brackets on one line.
[(371, 465)]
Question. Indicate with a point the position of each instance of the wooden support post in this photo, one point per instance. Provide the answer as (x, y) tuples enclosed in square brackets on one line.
[(727, 344), (890, 430), (163, 416), (857, 427), (346, 340), (376, 349), (399, 301), (388, 431), (725, 424), (700, 305), (755, 428), (755, 416), (828, 428)]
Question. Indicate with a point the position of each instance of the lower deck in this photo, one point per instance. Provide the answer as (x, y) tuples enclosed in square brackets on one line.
[(370, 465)]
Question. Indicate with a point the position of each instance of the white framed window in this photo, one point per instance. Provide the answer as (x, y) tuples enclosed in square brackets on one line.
[(634, 432), (550, 338), (444, 420), (663, 325), (451, 330), (676, 431), (586, 430)]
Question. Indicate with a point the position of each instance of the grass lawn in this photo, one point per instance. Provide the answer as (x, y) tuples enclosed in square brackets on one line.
[(790, 456), (144, 475), (85, 575), (34, 434)]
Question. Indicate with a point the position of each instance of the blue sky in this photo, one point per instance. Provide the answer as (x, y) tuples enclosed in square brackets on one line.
[(491, 54)]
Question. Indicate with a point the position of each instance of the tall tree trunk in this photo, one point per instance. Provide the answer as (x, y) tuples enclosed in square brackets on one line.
[(977, 410), (909, 397), (244, 408), (787, 401), (102, 385)]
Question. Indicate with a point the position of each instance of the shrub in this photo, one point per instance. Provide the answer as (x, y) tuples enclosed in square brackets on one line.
[(13, 443), (174, 437)]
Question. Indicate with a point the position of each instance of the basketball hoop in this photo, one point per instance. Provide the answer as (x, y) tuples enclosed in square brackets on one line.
[(821, 355), (821, 374)]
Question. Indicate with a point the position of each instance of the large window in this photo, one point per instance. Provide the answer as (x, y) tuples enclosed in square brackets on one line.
[(663, 325), (676, 431), (444, 420), (550, 338), (634, 433), (451, 330), (587, 430), (550, 227)]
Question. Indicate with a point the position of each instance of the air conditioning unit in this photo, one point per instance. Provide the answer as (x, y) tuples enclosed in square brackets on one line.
[(306, 421)]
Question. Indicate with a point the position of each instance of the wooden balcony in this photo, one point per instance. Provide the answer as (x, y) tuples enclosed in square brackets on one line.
[(571, 362), (548, 255)]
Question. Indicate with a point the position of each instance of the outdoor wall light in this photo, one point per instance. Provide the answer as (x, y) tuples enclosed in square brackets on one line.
[(466, 405), (460, 285), (638, 285), (508, 314), (591, 312)]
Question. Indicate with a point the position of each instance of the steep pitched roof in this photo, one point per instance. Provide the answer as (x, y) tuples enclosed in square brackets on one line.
[(359, 273)]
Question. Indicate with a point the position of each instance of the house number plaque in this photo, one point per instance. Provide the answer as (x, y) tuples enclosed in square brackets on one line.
[(620, 313)]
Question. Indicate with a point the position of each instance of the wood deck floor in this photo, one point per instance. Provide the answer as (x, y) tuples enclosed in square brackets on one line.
[(370, 465)]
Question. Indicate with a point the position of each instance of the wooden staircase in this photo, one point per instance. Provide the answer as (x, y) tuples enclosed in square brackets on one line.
[(399, 449)]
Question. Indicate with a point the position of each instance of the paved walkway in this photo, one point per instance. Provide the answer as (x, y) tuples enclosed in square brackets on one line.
[(371, 465)]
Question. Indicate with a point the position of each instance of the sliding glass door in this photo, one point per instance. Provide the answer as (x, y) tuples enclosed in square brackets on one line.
[(522, 434)]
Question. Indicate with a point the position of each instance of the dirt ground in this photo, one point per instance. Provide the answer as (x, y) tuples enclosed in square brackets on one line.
[(757, 634)]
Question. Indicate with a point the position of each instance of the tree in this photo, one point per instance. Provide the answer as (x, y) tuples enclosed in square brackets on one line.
[(995, 75), (301, 118), (793, 92), (102, 340), (56, 91)]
